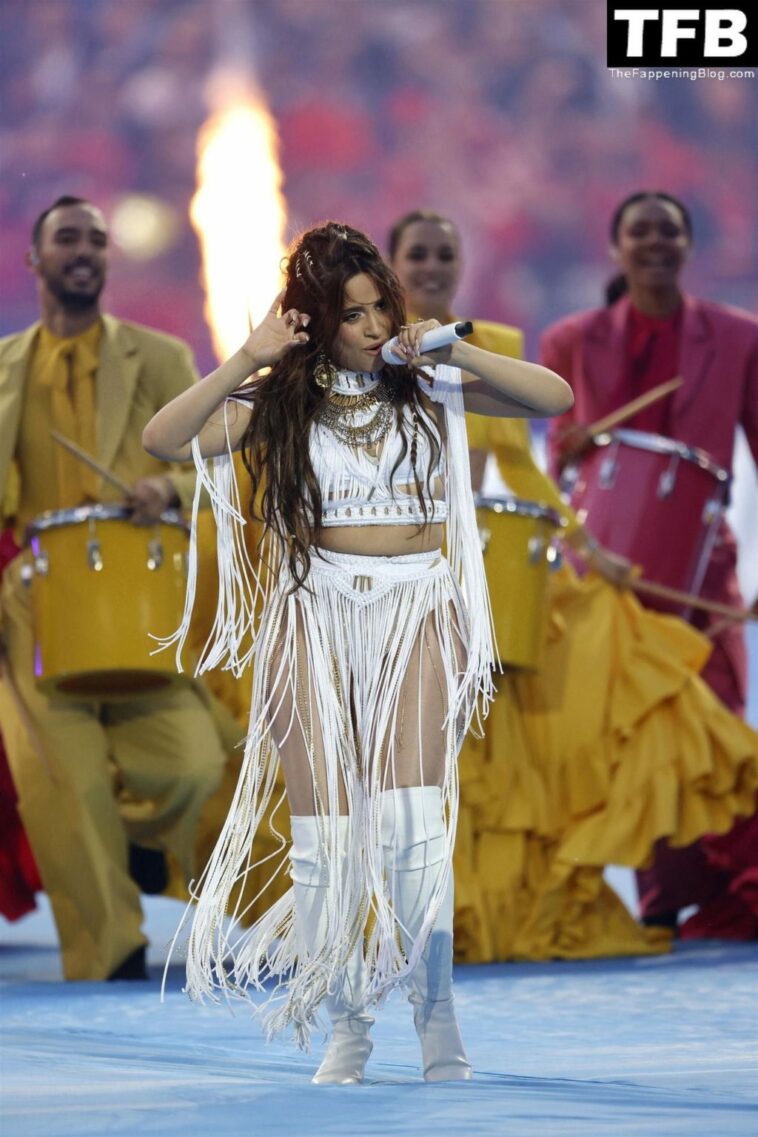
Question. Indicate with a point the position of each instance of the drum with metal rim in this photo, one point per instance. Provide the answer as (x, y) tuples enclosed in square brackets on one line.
[(100, 587), (518, 545), (653, 500)]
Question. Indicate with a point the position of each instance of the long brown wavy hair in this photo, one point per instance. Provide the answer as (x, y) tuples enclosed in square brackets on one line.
[(275, 447)]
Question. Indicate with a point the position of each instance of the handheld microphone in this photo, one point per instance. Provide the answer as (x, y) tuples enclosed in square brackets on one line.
[(437, 337)]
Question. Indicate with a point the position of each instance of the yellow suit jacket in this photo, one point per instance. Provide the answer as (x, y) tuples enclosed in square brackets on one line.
[(140, 370)]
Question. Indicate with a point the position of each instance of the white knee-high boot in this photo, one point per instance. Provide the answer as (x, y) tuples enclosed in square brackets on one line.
[(413, 836), (349, 1046)]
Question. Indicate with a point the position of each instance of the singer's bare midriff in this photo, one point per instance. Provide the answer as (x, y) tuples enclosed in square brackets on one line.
[(382, 540)]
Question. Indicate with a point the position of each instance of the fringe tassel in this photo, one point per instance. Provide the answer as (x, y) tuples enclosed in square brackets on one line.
[(242, 590), (464, 550)]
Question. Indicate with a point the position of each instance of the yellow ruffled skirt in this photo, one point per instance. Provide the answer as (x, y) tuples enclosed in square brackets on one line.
[(613, 744)]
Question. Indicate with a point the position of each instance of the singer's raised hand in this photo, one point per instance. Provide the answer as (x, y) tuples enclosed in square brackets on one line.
[(276, 335), (195, 412), (410, 336), (409, 343)]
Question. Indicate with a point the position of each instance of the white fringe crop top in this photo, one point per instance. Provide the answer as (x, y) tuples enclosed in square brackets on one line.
[(358, 488)]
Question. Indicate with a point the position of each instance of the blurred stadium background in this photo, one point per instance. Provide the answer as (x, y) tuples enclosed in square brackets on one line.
[(500, 113)]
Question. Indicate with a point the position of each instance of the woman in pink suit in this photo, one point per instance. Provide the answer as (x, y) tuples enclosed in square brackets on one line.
[(648, 332)]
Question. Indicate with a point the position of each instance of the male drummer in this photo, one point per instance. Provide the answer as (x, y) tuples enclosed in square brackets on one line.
[(651, 331), (81, 767)]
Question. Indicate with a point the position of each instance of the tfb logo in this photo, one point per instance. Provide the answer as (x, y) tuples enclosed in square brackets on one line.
[(682, 33)]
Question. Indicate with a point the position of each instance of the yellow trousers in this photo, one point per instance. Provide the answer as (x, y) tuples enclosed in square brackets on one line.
[(90, 776)]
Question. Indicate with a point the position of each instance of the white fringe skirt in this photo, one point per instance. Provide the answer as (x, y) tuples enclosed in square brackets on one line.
[(360, 679)]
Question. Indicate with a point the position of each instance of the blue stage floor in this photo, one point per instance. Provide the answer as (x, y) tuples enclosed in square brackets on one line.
[(619, 1048)]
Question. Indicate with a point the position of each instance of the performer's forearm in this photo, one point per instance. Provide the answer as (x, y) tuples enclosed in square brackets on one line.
[(515, 381), (170, 431)]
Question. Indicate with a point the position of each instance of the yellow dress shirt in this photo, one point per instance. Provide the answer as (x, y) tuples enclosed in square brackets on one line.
[(59, 395)]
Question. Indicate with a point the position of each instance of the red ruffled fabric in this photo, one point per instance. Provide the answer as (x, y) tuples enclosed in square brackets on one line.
[(734, 915)]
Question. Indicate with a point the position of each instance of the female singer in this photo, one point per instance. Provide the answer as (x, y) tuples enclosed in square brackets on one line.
[(369, 664)]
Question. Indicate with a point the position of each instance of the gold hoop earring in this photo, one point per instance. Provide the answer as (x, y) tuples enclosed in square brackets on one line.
[(324, 373)]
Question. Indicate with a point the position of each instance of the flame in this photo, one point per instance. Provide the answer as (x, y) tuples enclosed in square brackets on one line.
[(240, 216)]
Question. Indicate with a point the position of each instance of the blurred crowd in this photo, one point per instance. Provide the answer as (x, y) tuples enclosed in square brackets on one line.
[(499, 113)]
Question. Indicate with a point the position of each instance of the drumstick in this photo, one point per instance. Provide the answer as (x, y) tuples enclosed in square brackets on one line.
[(717, 628), (721, 625), (93, 463), (688, 600), (630, 409)]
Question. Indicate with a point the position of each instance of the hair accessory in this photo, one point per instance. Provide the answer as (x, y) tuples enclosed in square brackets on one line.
[(324, 372), (303, 264)]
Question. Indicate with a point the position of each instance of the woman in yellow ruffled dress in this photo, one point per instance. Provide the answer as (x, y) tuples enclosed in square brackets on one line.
[(613, 744)]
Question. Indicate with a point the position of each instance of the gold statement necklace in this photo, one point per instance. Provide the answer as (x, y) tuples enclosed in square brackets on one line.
[(358, 409)]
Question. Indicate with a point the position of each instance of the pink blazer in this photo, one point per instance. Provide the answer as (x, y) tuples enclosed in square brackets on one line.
[(719, 365)]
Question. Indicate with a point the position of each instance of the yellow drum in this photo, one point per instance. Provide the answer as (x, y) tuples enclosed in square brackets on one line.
[(517, 542), (100, 586)]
